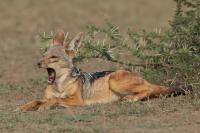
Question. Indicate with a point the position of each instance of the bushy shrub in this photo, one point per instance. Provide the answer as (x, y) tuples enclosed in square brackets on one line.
[(173, 55)]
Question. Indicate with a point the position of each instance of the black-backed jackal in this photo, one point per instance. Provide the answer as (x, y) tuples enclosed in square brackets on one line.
[(68, 86)]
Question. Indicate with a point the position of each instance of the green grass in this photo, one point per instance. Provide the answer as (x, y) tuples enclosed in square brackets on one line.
[(155, 114), (149, 125), (5, 88), (57, 121)]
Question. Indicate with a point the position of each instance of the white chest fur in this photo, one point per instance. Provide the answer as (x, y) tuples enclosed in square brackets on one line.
[(60, 82)]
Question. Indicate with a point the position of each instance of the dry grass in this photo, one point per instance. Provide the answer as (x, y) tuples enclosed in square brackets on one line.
[(22, 20)]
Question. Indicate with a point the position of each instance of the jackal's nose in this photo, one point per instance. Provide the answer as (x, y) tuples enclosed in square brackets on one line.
[(39, 64)]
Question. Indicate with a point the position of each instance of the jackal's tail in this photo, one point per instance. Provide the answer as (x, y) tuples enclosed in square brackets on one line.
[(177, 89), (174, 89)]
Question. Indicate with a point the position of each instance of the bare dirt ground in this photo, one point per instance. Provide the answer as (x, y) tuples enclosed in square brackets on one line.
[(21, 21)]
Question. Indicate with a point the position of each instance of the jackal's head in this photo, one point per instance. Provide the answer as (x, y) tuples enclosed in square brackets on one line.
[(59, 57)]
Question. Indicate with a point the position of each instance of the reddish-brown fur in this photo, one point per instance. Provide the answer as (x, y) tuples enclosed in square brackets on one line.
[(68, 90)]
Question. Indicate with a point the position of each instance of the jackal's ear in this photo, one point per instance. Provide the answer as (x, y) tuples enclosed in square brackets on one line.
[(59, 37), (74, 44)]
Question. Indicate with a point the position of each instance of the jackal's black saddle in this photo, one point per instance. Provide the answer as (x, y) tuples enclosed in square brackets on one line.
[(88, 76)]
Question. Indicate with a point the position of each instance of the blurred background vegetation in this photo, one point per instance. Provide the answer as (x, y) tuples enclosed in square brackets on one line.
[(22, 21), (162, 56)]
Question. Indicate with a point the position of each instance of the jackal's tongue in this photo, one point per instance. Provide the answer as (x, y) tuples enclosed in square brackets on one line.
[(50, 80), (51, 75)]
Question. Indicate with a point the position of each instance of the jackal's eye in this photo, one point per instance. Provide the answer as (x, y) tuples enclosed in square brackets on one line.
[(53, 57)]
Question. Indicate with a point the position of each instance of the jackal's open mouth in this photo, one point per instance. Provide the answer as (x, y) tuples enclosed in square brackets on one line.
[(51, 75)]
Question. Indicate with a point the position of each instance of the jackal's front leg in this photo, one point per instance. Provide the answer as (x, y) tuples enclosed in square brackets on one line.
[(33, 105), (64, 102)]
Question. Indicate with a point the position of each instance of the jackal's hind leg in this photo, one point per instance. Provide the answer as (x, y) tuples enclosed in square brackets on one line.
[(136, 97)]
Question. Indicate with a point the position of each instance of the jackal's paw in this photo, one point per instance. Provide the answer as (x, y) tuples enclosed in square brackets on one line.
[(44, 107), (21, 109), (130, 99), (17, 109)]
